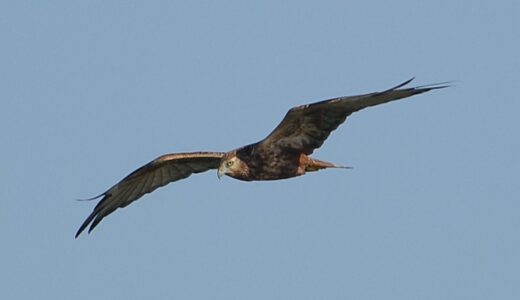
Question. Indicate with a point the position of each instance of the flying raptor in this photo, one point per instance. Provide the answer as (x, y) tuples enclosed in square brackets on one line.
[(284, 153)]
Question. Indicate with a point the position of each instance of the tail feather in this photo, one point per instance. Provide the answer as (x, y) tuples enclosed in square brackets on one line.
[(316, 165)]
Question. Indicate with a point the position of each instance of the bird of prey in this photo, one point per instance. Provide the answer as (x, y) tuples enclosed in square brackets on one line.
[(284, 153)]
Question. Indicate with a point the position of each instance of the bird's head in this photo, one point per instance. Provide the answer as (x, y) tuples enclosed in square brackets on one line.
[(232, 166)]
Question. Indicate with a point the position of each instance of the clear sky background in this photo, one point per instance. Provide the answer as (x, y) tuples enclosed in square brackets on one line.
[(91, 90)]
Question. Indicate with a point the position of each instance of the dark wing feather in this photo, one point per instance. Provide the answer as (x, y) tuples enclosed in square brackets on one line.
[(159, 172), (305, 128)]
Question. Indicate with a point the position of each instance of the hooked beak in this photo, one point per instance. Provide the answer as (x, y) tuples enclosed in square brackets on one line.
[(220, 173)]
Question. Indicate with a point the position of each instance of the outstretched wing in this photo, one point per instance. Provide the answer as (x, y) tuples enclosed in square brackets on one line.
[(305, 128), (159, 172)]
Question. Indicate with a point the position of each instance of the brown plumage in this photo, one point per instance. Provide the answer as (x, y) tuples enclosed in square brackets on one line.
[(284, 153)]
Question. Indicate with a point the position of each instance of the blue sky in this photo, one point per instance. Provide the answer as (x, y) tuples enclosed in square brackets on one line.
[(92, 90)]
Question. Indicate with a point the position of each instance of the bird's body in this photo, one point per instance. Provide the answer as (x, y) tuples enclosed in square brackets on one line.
[(255, 165), (284, 153)]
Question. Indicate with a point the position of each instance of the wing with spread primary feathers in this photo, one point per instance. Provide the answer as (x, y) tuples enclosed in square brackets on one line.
[(159, 172), (305, 128)]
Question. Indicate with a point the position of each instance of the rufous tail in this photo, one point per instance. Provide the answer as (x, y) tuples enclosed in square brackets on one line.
[(316, 165)]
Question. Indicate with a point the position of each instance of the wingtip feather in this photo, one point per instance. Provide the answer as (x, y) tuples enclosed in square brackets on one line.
[(400, 85), (83, 226), (426, 87), (436, 86), (93, 198)]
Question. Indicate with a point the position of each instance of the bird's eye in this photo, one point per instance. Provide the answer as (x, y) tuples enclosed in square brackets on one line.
[(229, 163)]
